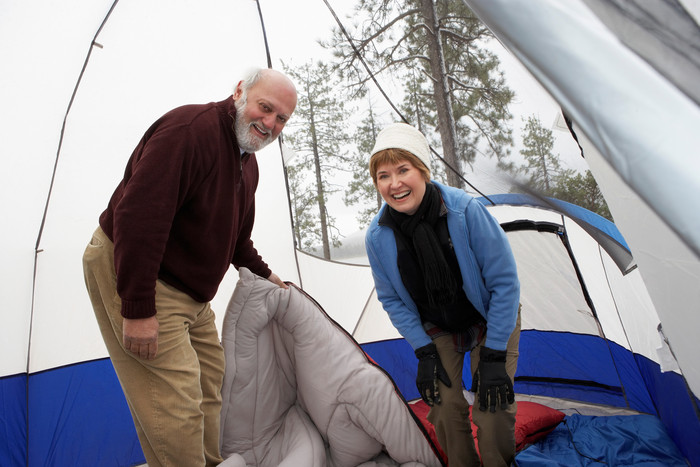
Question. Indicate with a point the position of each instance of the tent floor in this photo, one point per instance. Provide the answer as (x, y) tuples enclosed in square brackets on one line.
[(569, 407)]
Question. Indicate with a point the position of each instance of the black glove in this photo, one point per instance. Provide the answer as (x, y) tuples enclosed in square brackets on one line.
[(491, 380), (429, 370)]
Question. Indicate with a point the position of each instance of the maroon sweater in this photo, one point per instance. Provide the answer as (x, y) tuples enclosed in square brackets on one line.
[(184, 210)]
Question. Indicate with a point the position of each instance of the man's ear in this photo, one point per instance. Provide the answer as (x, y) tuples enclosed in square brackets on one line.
[(238, 91)]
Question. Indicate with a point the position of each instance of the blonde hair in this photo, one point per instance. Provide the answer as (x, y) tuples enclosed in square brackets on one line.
[(394, 156)]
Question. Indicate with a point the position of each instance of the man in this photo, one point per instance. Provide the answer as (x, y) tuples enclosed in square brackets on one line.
[(182, 214)]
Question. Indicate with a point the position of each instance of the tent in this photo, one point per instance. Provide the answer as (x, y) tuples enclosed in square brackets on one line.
[(81, 81)]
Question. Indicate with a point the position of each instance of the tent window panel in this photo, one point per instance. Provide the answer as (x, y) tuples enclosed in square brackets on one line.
[(557, 356), (550, 292), (550, 364)]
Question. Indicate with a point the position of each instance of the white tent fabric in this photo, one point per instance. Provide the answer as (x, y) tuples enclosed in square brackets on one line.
[(671, 271), (643, 126), (135, 75), (340, 288)]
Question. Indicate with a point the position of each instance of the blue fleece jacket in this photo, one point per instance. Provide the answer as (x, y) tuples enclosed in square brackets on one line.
[(485, 260)]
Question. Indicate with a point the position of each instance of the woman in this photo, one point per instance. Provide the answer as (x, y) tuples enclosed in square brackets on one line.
[(445, 274)]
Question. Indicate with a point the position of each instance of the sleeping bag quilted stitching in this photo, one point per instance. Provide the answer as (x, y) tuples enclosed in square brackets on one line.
[(298, 385)]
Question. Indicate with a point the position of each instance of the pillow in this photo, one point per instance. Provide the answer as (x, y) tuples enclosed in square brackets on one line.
[(533, 421)]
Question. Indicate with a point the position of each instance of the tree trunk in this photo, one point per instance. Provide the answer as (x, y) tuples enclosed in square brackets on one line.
[(319, 186), (443, 100)]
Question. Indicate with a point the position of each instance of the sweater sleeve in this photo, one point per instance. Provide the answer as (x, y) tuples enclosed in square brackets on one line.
[(245, 253), (156, 181)]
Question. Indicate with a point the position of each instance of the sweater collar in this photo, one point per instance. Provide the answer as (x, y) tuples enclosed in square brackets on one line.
[(227, 110)]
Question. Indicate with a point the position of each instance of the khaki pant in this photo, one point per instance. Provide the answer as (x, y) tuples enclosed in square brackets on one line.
[(495, 431), (175, 399)]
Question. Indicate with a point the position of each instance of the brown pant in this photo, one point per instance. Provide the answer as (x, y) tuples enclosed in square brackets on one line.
[(495, 431), (175, 399)]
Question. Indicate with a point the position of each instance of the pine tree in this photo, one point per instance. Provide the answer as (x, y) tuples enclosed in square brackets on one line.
[(583, 191), (547, 177), (543, 167), (438, 48), (361, 190), (318, 134)]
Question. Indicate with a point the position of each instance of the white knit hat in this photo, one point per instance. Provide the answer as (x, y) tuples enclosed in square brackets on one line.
[(406, 137)]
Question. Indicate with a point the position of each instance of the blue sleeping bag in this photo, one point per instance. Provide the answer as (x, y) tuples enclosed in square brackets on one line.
[(619, 440)]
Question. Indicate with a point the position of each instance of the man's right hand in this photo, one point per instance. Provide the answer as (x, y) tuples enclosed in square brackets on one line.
[(141, 337)]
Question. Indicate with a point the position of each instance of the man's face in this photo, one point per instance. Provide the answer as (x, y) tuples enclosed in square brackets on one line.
[(262, 111)]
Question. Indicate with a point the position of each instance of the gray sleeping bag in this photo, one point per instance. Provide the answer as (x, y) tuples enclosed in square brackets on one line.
[(300, 392)]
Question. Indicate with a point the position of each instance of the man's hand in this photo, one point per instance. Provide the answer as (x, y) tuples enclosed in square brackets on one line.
[(141, 337), (275, 278)]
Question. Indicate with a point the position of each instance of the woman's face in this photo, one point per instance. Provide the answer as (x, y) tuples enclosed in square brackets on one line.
[(401, 185)]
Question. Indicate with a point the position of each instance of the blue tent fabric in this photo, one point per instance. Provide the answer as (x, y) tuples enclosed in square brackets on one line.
[(397, 357), (544, 369), (675, 407), (13, 413), (572, 210), (620, 440), (73, 409), (609, 375)]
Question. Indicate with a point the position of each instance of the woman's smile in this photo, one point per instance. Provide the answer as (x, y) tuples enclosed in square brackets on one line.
[(401, 185)]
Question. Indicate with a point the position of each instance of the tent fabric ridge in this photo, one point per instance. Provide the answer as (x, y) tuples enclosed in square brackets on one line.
[(539, 226), (569, 381)]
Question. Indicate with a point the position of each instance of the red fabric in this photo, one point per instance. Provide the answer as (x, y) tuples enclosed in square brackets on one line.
[(533, 421)]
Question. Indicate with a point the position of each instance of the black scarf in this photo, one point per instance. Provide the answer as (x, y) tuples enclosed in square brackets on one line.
[(420, 229)]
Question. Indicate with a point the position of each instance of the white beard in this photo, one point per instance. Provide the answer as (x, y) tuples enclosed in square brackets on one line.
[(247, 141)]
